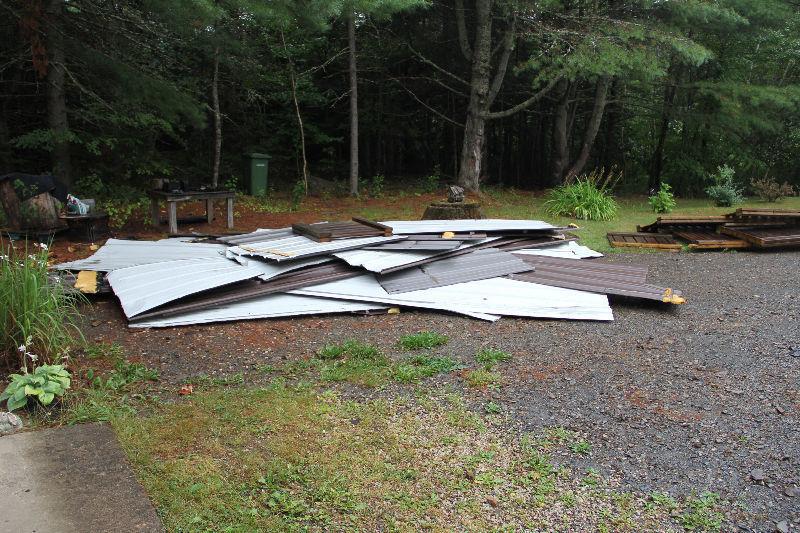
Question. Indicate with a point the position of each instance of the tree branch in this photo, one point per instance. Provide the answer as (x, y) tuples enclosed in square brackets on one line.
[(437, 67), (461, 23), (502, 65), (426, 106), (527, 103)]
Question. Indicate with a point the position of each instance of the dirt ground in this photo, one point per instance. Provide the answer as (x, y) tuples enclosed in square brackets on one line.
[(704, 396)]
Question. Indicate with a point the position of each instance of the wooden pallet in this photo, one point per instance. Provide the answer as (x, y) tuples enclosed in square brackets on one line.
[(644, 240), (766, 237), (355, 229), (710, 240), (687, 221)]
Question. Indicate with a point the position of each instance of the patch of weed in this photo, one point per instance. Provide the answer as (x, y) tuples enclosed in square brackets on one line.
[(581, 447), (481, 378), (354, 362), (100, 350), (702, 513), (489, 357), (423, 340), (492, 408), (423, 366)]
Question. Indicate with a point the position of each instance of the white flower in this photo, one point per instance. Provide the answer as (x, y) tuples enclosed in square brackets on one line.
[(42, 246), (22, 348), (33, 357)]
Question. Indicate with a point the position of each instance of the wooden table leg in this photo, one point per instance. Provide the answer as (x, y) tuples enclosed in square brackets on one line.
[(154, 211), (229, 206), (210, 210), (173, 217)]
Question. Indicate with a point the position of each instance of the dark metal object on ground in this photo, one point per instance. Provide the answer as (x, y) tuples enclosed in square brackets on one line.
[(643, 240), (173, 199), (593, 276), (328, 231), (480, 264)]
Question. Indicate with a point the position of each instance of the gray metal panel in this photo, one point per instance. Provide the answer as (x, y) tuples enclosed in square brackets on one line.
[(295, 247), (404, 227), (567, 250), (271, 306), (144, 287), (411, 246), (258, 235), (117, 253), (480, 264), (496, 296)]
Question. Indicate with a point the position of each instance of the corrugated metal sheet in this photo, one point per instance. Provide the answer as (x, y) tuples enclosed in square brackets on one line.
[(497, 296), (272, 306), (383, 262), (566, 250), (296, 247), (258, 235), (117, 253), (592, 276), (145, 287), (253, 289), (269, 269), (480, 264), (427, 245), (404, 227)]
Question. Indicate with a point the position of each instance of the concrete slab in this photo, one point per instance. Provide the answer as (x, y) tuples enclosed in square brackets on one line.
[(69, 480)]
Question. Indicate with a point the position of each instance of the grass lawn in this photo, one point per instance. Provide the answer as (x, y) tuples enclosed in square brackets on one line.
[(290, 452)]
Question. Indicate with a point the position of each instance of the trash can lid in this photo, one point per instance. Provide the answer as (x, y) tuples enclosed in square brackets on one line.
[(259, 156)]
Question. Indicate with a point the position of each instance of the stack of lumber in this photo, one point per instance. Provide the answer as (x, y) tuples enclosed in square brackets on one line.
[(744, 228)]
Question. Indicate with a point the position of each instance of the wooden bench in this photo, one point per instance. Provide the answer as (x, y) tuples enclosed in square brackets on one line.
[(172, 199)]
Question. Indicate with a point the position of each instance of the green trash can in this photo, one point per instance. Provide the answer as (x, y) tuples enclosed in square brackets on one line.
[(256, 170)]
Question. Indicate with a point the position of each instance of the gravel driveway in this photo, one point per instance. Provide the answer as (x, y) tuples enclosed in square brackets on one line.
[(704, 396)]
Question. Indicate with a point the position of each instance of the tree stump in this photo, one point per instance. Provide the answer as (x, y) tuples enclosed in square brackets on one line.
[(40, 212), (453, 211)]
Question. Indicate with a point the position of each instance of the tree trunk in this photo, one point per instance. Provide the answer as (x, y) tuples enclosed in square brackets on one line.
[(657, 161), (601, 92), (351, 36), (56, 101), (560, 152), (293, 83), (217, 120), (470, 168)]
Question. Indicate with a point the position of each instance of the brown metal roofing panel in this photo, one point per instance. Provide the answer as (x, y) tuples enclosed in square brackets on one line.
[(601, 278), (643, 240), (327, 231), (528, 243), (480, 264), (238, 292), (766, 238)]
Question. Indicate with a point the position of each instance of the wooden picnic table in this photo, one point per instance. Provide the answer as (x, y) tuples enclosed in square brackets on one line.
[(172, 200)]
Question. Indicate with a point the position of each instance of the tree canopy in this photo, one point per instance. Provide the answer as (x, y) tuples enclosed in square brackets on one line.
[(510, 92)]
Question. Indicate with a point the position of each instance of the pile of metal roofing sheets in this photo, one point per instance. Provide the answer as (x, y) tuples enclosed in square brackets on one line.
[(743, 228), (483, 269)]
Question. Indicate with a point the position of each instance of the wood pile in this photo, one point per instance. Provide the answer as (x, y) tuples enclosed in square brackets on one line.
[(744, 228)]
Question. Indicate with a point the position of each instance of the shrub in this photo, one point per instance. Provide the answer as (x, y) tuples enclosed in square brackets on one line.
[(770, 190), (663, 201), (377, 185), (586, 199), (43, 385), (723, 191), (35, 311)]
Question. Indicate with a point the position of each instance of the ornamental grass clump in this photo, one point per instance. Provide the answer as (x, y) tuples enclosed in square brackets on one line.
[(588, 198), (35, 311)]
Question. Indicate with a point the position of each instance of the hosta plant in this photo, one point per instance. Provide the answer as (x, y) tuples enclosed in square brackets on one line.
[(42, 385)]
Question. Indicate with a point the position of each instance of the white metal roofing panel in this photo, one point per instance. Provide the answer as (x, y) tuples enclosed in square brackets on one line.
[(144, 287), (270, 306), (379, 260), (569, 250), (405, 227), (117, 253), (270, 270), (497, 296), (296, 247)]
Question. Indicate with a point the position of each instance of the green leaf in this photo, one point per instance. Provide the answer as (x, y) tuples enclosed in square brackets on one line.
[(14, 404), (46, 398), (19, 394)]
